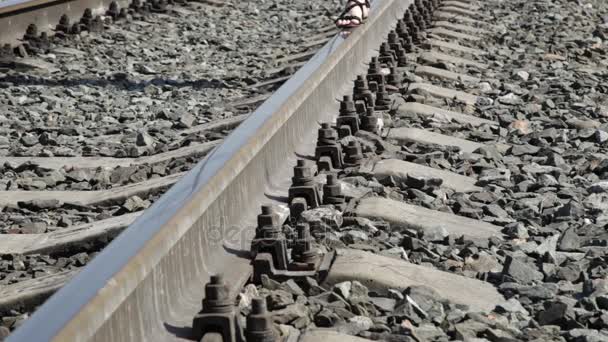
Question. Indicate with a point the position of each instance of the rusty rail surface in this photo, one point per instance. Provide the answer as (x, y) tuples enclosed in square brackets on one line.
[(148, 283)]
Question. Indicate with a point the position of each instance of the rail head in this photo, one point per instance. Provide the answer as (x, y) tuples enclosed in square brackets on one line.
[(9, 7), (149, 279)]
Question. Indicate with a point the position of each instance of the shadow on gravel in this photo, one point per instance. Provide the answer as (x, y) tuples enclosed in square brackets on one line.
[(119, 80), (181, 332)]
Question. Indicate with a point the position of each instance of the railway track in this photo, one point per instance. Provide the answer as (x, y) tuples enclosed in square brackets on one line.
[(455, 193), (52, 223)]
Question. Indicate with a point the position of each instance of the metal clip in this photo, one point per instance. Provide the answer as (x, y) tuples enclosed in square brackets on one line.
[(218, 317)]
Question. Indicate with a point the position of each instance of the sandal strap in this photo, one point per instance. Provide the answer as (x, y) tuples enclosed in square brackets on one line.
[(365, 3), (354, 3)]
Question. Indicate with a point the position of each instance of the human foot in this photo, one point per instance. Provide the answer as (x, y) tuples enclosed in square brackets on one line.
[(354, 14)]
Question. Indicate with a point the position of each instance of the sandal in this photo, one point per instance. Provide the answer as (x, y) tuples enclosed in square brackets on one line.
[(354, 20)]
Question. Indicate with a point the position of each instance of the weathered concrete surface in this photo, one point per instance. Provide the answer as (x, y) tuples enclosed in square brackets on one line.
[(401, 214), (328, 335), (111, 162), (59, 239), (379, 273), (446, 15), (425, 70), (472, 6), (448, 115), (464, 12), (400, 170), (429, 43), (404, 134), (407, 134), (446, 93), (32, 292), (434, 56), (460, 27), (13, 197), (444, 32)]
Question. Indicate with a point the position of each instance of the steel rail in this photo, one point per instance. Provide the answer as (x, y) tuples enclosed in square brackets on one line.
[(17, 15), (148, 283)]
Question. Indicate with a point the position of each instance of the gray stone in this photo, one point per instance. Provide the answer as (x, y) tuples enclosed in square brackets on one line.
[(145, 140), (279, 299), (329, 216), (569, 241), (343, 289), (520, 271), (383, 303), (511, 306), (554, 313)]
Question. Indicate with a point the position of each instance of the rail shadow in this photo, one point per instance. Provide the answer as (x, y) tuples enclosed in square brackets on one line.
[(180, 332), (278, 198), (306, 156), (239, 253)]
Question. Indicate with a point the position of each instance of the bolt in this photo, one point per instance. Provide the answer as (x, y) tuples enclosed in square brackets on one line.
[(327, 135), (269, 237), (430, 6), (374, 73), (394, 78), (354, 155), (328, 152), (64, 24), (217, 298), (412, 19), (386, 50), (382, 100), (218, 314), (136, 4), (75, 29), (348, 120), (401, 58), (419, 19), (44, 37), (259, 323), (332, 192), (31, 32), (401, 29), (6, 50), (394, 41), (114, 10), (332, 187), (347, 106), (88, 14), (302, 251), (302, 173), (387, 55), (268, 223), (371, 122), (404, 34), (360, 85), (304, 186), (362, 91), (426, 14), (415, 35), (374, 66)]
